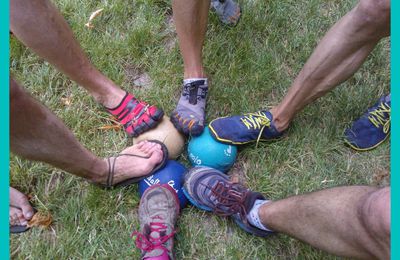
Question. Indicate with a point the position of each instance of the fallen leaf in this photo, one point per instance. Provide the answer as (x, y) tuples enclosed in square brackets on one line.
[(66, 100), (92, 16), (110, 127), (40, 219)]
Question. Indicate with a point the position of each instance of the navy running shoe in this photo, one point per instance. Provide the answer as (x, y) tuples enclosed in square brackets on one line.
[(246, 128), (211, 190), (372, 128)]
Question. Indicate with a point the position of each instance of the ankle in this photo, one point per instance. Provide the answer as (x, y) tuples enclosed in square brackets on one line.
[(103, 90), (194, 73), (98, 171), (190, 80), (111, 99), (281, 123), (265, 213), (254, 216)]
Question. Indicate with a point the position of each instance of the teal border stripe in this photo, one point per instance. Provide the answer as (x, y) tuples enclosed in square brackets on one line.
[(4, 129), (395, 138)]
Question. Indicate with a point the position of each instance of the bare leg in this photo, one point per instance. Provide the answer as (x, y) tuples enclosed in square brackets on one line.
[(190, 18), (337, 57), (37, 134), (39, 25), (346, 221)]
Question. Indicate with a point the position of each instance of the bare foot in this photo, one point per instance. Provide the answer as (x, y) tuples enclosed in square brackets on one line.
[(127, 167), (20, 209)]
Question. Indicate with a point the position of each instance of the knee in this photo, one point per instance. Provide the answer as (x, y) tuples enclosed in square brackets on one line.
[(374, 14), (375, 215)]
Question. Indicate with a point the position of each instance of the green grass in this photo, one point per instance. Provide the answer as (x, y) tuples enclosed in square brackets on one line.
[(251, 67)]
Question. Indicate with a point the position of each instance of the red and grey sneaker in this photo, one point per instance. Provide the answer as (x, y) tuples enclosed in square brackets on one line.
[(136, 116), (158, 212)]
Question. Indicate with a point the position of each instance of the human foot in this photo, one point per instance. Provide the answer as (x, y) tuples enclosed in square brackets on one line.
[(189, 115), (20, 211), (134, 163), (136, 116)]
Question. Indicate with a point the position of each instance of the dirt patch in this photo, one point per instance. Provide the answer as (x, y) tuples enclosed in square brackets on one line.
[(137, 77), (381, 178), (170, 34), (238, 172)]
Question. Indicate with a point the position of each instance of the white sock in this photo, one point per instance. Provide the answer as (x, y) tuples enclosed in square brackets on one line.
[(190, 80), (253, 216)]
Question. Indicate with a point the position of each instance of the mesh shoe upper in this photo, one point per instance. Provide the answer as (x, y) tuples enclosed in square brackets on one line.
[(371, 129), (211, 190), (242, 129)]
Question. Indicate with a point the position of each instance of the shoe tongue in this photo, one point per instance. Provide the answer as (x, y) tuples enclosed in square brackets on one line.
[(155, 235)]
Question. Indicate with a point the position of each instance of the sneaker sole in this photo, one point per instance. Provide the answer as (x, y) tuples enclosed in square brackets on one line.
[(365, 149)]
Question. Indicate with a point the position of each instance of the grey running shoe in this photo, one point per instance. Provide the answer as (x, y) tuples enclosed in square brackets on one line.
[(158, 212), (211, 190), (228, 11), (189, 115)]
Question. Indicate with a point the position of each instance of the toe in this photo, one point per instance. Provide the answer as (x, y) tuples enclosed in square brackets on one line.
[(27, 210), (19, 200), (156, 155), (16, 217)]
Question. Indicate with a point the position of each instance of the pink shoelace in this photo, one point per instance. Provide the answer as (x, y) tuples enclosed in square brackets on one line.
[(150, 243)]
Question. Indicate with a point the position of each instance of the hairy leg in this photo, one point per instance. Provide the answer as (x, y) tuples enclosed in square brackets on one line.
[(349, 221), (40, 26), (37, 134), (336, 58), (190, 18)]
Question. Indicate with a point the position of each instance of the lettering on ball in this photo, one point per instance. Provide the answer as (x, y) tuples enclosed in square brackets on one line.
[(151, 181), (228, 151), (195, 159)]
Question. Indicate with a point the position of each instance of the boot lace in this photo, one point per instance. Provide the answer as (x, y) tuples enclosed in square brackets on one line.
[(230, 199)]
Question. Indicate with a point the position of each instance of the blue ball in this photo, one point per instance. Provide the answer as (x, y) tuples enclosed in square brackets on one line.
[(173, 174), (204, 150)]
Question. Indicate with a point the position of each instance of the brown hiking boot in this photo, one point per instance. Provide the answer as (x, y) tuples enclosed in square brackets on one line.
[(158, 212)]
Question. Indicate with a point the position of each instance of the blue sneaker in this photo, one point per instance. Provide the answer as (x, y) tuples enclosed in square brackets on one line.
[(246, 128), (211, 190), (372, 128)]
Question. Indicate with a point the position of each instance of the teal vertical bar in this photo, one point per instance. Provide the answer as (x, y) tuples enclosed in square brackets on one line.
[(4, 129), (395, 138)]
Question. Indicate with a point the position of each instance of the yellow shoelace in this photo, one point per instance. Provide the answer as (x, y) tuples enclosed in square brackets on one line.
[(257, 120), (377, 117)]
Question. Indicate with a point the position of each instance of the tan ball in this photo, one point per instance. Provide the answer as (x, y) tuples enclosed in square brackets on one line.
[(166, 133)]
